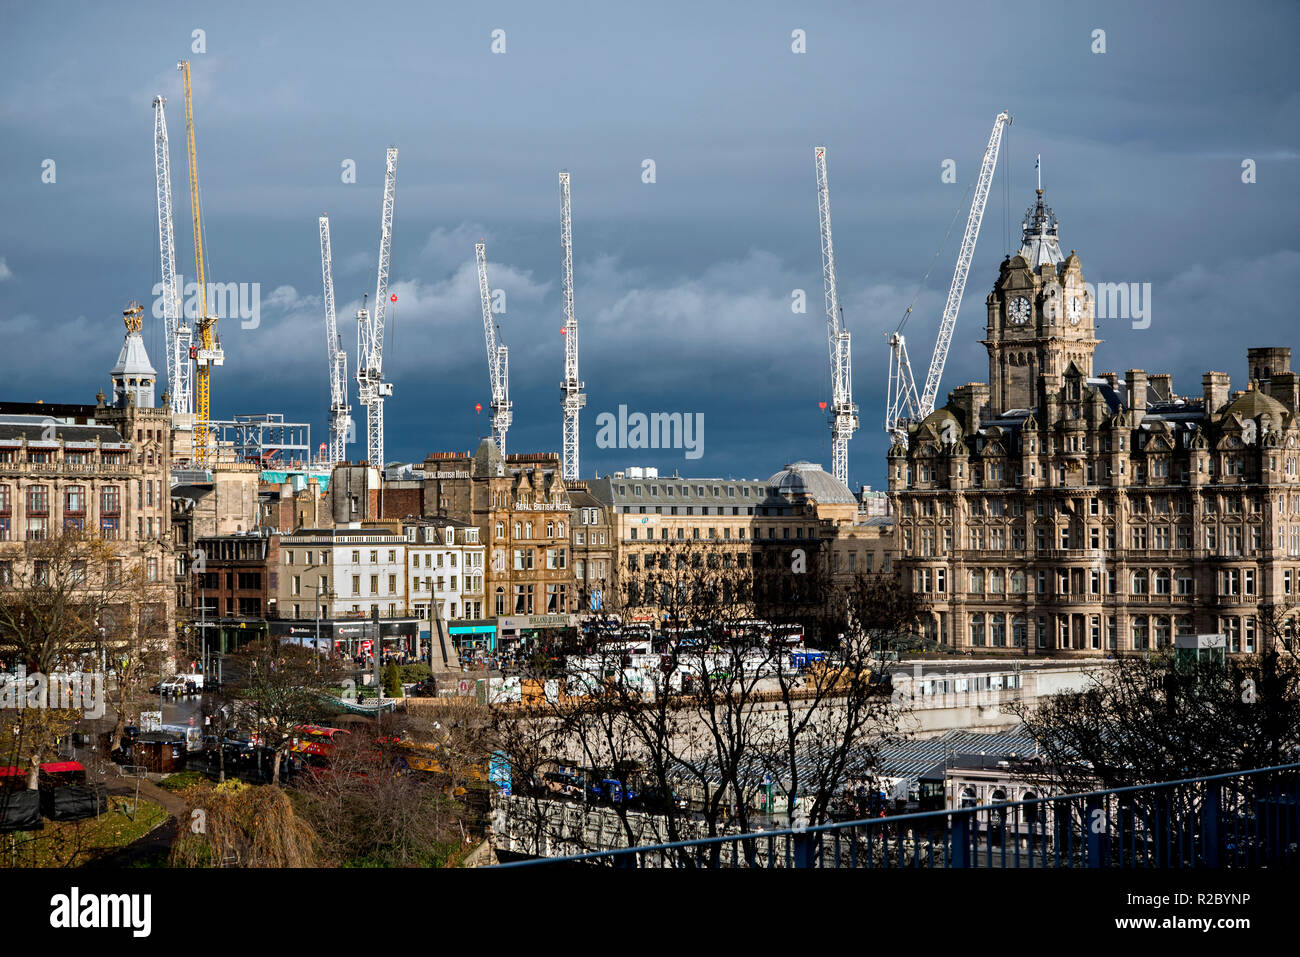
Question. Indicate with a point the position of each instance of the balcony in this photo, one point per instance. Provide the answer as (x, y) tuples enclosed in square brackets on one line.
[(1229, 601), (69, 469)]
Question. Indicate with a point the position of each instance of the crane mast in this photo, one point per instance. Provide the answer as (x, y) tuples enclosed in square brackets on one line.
[(180, 374), (844, 413), (574, 399), (208, 353), (901, 399), (498, 357), (903, 404), (370, 328), (340, 411)]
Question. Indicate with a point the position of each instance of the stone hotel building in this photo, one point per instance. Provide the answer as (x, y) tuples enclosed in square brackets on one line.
[(98, 471), (1065, 511)]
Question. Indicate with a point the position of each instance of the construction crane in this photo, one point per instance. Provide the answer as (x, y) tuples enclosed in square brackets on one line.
[(208, 352), (180, 374), (498, 357), (370, 328), (844, 413), (574, 398), (903, 406), (340, 411)]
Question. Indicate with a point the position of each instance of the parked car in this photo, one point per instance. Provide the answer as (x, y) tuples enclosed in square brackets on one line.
[(612, 791), (563, 785), (239, 751)]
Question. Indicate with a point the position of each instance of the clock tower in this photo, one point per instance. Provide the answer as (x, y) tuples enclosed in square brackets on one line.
[(1040, 317)]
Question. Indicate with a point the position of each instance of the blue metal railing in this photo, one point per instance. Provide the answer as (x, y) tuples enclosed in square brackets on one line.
[(1244, 819)]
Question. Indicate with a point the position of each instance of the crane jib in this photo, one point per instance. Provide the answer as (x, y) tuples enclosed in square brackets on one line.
[(903, 405)]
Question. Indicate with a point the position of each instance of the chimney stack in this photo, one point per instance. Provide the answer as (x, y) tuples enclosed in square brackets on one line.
[(1216, 385)]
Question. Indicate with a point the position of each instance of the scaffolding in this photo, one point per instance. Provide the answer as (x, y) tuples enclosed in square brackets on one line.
[(265, 438)]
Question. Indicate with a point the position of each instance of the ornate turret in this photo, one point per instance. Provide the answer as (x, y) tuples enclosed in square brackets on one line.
[(134, 376), (1039, 244)]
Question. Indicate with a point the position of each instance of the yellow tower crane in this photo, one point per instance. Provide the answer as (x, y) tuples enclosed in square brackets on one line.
[(208, 352)]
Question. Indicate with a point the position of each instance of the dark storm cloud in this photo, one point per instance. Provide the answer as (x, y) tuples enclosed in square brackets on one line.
[(684, 286)]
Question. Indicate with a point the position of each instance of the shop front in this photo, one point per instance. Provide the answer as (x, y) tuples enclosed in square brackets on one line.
[(351, 637), (474, 638), (524, 634)]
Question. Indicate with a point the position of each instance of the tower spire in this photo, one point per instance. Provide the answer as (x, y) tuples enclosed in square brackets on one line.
[(1039, 242), (133, 376)]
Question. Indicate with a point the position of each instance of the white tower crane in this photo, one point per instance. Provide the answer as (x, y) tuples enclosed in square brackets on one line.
[(574, 399), (180, 374), (498, 357), (844, 414), (370, 329), (903, 405), (340, 411)]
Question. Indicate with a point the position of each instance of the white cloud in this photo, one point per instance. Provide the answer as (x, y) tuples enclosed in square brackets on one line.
[(447, 249), (286, 299), (5, 271)]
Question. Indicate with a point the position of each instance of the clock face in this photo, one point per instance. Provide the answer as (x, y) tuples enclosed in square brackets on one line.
[(1076, 311), (1019, 310)]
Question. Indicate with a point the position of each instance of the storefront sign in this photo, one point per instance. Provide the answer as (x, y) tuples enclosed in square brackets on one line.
[(534, 621)]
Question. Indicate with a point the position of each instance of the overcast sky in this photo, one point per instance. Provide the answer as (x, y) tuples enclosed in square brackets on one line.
[(683, 286)]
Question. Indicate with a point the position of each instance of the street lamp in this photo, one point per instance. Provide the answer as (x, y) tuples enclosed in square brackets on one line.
[(316, 590)]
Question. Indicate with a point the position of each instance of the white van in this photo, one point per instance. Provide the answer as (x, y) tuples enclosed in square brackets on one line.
[(180, 684)]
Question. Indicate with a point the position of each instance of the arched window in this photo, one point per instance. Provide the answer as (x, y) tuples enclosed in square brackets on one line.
[(1031, 811), (528, 529), (1019, 631), (1162, 632), (968, 797)]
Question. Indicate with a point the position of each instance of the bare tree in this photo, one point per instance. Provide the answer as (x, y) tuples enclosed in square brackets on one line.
[(73, 603), (279, 687), (1151, 718), (371, 807)]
